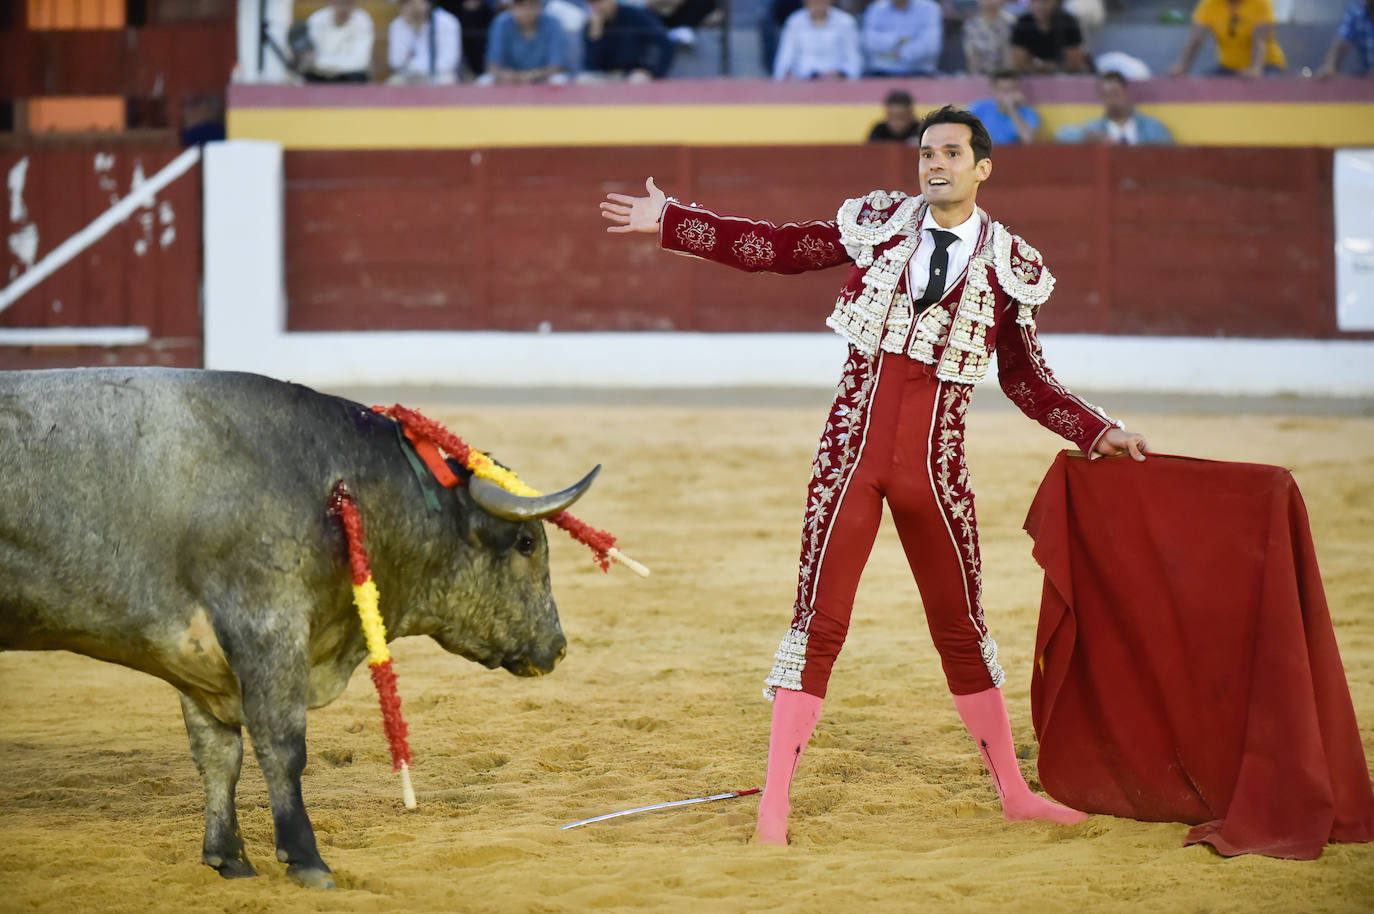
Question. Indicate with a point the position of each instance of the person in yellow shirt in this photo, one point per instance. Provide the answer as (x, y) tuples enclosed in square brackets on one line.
[(1244, 32)]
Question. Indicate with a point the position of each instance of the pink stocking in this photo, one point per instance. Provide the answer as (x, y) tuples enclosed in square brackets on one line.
[(794, 717), (985, 716)]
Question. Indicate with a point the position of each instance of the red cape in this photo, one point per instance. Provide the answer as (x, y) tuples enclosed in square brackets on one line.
[(1186, 669)]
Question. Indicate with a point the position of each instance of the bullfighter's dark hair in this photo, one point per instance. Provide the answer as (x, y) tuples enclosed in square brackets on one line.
[(979, 139), (1115, 77)]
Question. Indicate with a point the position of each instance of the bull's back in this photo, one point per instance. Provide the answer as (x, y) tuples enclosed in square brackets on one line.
[(146, 445), (123, 491)]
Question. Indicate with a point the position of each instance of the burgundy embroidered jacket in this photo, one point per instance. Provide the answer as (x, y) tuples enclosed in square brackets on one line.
[(989, 308)]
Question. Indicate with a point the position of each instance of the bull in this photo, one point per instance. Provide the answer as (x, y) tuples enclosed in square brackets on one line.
[(176, 522)]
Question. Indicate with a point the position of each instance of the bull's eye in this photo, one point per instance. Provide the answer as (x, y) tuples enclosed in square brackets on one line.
[(525, 544)]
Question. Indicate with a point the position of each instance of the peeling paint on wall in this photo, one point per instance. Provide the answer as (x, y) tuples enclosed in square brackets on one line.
[(18, 175), (104, 162), (23, 241), (52, 194), (165, 216)]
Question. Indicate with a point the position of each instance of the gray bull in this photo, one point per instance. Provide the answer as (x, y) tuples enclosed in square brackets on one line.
[(176, 522)]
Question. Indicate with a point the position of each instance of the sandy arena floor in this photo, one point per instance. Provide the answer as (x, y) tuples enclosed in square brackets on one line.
[(659, 699)]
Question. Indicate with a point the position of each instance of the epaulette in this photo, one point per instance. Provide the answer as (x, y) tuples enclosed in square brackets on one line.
[(1021, 272), (868, 221)]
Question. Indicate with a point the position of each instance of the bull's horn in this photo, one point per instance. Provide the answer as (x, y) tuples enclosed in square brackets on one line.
[(509, 506)]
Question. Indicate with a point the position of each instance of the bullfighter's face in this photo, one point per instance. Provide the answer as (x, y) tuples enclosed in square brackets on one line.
[(949, 176)]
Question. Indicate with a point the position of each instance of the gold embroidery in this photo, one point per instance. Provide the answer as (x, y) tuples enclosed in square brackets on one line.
[(955, 490), (1064, 424), (815, 251), (753, 250), (862, 229), (1021, 272), (696, 235), (965, 359)]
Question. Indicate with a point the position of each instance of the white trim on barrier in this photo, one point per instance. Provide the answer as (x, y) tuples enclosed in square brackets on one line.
[(74, 336), (64, 252), (245, 329)]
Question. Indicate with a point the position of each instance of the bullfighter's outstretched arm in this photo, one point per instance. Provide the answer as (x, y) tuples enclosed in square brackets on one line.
[(745, 244)]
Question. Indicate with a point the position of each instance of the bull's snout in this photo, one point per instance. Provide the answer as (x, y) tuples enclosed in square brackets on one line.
[(538, 662)]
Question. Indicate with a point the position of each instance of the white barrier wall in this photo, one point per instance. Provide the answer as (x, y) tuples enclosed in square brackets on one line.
[(1353, 188), (245, 321)]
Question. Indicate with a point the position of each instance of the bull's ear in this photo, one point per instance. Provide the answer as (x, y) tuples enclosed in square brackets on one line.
[(509, 506)]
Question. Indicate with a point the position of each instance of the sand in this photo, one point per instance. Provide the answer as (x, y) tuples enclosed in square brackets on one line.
[(659, 699)]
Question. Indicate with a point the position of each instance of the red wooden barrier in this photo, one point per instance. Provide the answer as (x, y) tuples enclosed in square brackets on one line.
[(160, 61), (1167, 241), (144, 273)]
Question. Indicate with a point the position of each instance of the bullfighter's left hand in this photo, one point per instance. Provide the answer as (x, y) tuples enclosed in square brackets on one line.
[(1116, 442)]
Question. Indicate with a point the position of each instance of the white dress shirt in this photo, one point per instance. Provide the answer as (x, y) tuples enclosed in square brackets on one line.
[(343, 48), (1123, 133), (960, 252), (806, 49), (407, 51)]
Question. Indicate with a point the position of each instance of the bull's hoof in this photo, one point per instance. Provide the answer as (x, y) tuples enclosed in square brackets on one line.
[(230, 867), (311, 877)]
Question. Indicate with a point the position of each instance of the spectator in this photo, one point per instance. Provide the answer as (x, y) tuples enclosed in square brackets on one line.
[(987, 38), (770, 28), (818, 42), (202, 120), (1047, 40), (474, 19), (526, 45), (1120, 123), (423, 44), (1355, 31), (1244, 32), (340, 45), (626, 41), (682, 18), (902, 37), (900, 125), (1006, 115), (572, 15), (1091, 15)]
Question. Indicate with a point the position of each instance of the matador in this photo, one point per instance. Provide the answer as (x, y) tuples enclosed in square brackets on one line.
[(935, 290)]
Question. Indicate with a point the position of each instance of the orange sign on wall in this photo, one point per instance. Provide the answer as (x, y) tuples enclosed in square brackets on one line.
[(76, 14), (79, 113)]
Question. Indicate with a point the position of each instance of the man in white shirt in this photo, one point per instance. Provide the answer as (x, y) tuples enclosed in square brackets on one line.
[(341, 37), (424, 45), (819, 42)]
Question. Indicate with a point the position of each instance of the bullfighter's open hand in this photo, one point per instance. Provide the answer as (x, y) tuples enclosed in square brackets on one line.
[(634, 214)]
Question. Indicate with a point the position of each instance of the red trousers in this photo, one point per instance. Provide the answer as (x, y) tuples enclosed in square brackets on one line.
[(894, 432)]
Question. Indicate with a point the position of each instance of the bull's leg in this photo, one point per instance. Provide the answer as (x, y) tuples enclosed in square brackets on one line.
[(218, 750), (274, 698)]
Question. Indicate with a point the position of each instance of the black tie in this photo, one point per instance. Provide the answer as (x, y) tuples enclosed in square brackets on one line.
[(939, 266)]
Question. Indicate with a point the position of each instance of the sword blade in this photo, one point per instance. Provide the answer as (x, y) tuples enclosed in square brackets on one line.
[(670, 805)]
